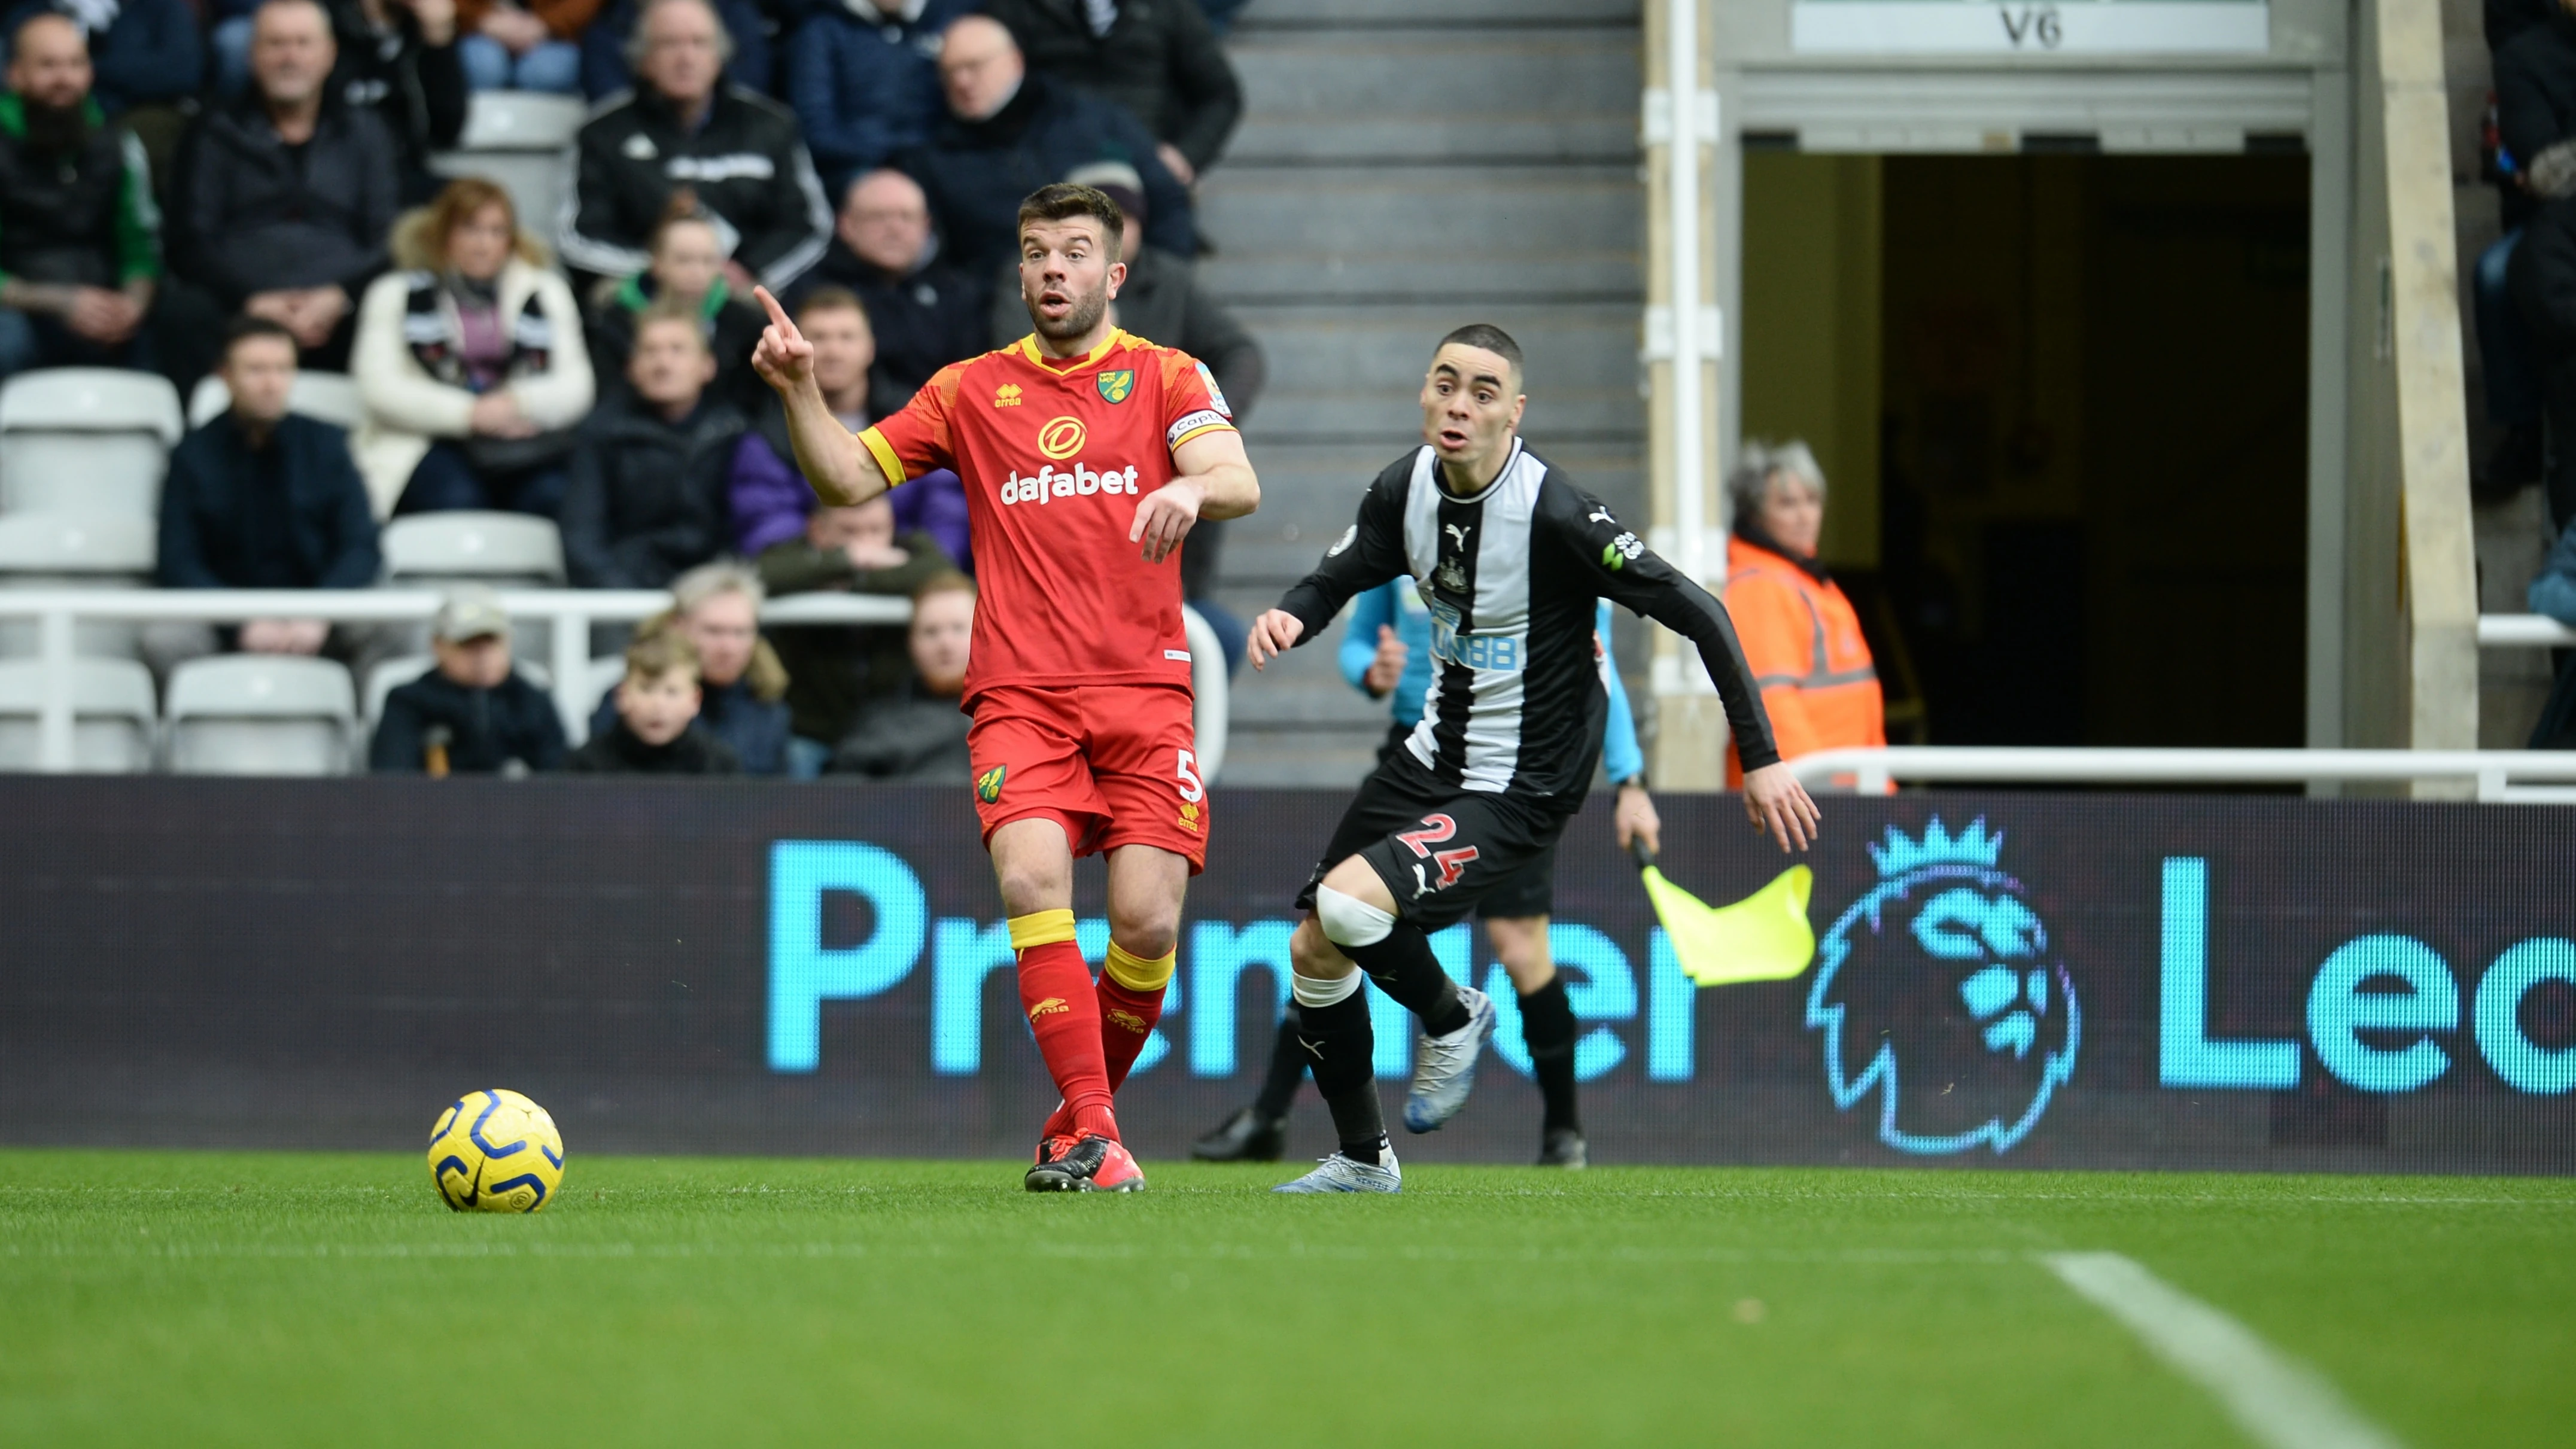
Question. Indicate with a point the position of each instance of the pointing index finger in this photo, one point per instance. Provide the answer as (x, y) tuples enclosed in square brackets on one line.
[(777, 314)]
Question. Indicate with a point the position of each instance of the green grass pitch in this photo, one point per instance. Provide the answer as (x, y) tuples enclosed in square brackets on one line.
[(234, 1298)]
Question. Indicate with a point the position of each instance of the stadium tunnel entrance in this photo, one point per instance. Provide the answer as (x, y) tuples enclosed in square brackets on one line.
[(2063, 404)]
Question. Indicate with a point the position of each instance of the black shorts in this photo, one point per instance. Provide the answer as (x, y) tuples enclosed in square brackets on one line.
[(1532, 892), (1442, 851)]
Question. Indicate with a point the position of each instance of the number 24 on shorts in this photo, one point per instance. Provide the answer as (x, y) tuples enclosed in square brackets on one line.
[(1435, 829)]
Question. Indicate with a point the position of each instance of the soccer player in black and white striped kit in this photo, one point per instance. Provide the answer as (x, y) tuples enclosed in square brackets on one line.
[(1512, 559)]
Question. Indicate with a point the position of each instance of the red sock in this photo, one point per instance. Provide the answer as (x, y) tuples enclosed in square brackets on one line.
[(1064, 1015), (1127, 1017)]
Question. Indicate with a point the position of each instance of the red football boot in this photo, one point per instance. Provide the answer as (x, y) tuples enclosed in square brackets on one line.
[(1092, 1164)]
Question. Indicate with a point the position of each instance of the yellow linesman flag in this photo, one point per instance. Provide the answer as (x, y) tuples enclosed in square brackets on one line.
[(1763, 937)]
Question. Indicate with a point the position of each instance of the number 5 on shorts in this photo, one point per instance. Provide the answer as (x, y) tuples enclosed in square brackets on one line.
[(1191, 790)]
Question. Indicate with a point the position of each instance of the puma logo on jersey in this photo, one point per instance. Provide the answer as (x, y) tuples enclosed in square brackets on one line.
[(1599, 515), (1007, 395), (1048, 1007), (1457, 534)]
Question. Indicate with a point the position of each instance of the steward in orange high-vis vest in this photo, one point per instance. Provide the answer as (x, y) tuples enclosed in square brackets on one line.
[(1799, 632)]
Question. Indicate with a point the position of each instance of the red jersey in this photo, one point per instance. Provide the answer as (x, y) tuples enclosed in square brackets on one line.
[(1056, 453)]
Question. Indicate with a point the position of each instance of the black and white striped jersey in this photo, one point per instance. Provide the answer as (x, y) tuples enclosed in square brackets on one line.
[(1512, 577)]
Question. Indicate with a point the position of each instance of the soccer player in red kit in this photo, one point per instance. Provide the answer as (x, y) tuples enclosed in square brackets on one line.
[(1088, 455)]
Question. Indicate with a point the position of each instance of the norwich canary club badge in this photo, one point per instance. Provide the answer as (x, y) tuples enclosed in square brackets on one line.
[(988, 785), (1114, 386)]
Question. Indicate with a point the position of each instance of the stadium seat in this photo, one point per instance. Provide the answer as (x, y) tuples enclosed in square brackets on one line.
[(112, 716), (86, 440), (75, 551), (402, 669), (500, 549), (260, 714), (330, 397), (517, 140)]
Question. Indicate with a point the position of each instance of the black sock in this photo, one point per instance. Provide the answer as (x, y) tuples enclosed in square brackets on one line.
[(1339, 1048), (1547, 1025), (1404, 968), (1287, 1069)]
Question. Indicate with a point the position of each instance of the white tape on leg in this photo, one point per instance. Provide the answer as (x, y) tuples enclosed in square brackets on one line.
[(1350, 921)]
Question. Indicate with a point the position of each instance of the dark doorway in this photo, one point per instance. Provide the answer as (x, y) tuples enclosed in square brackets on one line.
[(2091, 453)]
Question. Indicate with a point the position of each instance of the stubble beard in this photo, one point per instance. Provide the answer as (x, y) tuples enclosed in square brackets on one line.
[(1077, 323)]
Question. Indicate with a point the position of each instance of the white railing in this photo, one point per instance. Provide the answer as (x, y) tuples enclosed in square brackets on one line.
[(568, 614), (2516, 631), (2493, 771)]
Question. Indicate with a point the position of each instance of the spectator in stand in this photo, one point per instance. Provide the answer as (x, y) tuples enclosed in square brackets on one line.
[(399, 59), (1007, 133), (863, 76), (473, 714), (1157, 59), (1161, 301), (284, 199), (2534, 48), (686, 273), (510, 46), (923, 313), (262, 498), (742, 684), (2543, 279), (656, 704), (646, 499), (147, 60), (770, 498), (80, 240), (683, 126), (1801, 638), (917, 734), (832, 668), (608, 49), (470, 362)]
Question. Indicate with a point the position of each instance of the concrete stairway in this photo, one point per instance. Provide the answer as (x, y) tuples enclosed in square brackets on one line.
[(1406, 167)]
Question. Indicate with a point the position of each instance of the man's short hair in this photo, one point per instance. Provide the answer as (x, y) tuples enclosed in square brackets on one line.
[(1749, 486), (658, 653), (709, 580), (316, 6), (945, 581), (18, 32), (1487, 337), (637, 47), (1065, 200), (668, 309), (834, 299), (242, 329)]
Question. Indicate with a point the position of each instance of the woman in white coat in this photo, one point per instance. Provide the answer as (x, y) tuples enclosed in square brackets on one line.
[(470, 362)]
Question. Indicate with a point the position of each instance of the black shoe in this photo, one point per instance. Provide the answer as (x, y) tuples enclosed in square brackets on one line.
[(1563, 1148), (1247, 1136), (1088, 1164)]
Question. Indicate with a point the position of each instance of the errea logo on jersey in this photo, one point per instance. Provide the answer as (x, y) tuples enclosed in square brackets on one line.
[(1007, 395), (1078, 481)]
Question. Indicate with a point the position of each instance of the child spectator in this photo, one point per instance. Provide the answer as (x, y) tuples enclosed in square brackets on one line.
[(655, 706), (646, 498), (510, 46), (471, 363), (918, 734), (474, 714), (686, 273), (742, 686), (832, 668), (770, 498)]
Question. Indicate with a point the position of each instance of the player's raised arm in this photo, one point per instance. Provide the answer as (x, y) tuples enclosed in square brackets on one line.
[(1629, 573), (841, 470), (1214, 481)]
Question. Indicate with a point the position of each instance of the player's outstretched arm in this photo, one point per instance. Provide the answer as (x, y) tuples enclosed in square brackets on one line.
[(1215, 481), (1775, 802), (1273, 634), (838, 466)]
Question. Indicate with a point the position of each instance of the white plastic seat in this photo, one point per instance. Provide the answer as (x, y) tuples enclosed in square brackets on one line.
[(491, 548), (86, 440), (330, 397), (520, 141), (75, 551), (261, 714), (112, 716), (402, 669)]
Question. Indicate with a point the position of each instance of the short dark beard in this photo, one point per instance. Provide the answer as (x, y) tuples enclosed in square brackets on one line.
[(1077, 323), (55, 130)]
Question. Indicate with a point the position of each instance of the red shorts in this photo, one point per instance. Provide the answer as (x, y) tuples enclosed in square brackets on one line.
[(1113, 764)]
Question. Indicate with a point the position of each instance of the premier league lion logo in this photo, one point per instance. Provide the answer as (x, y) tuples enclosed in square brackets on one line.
[(1938, 989)]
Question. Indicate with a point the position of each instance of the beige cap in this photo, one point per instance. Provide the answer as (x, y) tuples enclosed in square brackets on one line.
[(471, 612)]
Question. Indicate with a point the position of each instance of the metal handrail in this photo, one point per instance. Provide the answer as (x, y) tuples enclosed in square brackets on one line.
[(2517, 631), (568, 612), (2493, 771)]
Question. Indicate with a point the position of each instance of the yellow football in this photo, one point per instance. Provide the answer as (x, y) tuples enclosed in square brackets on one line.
[(495, 1151)]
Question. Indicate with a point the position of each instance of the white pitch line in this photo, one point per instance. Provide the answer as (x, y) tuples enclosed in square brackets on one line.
[(2273, 1397)]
